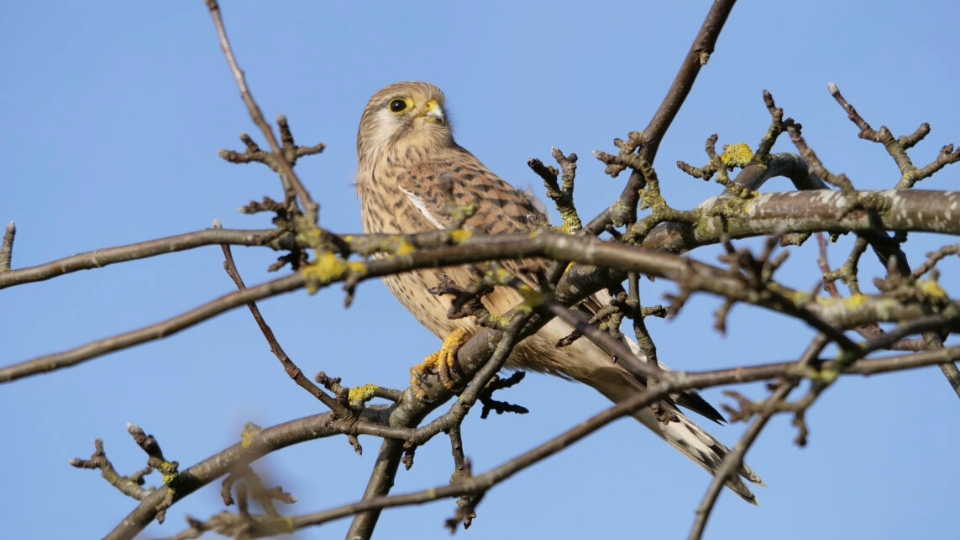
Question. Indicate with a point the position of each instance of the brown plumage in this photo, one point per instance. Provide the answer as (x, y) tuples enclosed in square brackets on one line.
[(409, 164)]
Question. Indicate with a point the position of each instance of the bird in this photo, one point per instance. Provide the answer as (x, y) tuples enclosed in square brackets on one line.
[(409, 166)]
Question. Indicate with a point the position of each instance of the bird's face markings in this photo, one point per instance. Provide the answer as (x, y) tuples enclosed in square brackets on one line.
[(417, 106), (406, 109), (404, 114)]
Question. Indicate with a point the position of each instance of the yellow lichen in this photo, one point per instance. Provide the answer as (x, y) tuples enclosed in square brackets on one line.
[(404, 248), (500, 275), (326, 269), (855, 301), (358, 268), (532, 297), (249, 433), (844, 359), (826, 301), (460, 236), (500, 321), (361, 394), (744, 193), (797, 298), (312, 237), (571, 221), (568, 227), (826, 375), (169, 471), (931, 288), (737, 155)]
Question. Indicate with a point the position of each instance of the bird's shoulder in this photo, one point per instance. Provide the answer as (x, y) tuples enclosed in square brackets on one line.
[(432, 178)]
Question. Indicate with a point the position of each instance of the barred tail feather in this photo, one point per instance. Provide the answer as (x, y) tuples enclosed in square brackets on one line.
[(673, 426), (595, 368), (703, 449)]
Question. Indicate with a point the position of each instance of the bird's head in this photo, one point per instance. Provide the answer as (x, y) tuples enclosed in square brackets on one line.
[(407, 113)]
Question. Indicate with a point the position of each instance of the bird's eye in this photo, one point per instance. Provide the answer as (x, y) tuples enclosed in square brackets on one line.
[(398, 105)]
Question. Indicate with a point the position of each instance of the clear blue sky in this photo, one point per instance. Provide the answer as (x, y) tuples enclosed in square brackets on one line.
[(115, 112)]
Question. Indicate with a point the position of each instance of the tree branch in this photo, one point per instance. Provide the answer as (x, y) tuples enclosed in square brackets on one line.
[(141, 250), (624, 210)]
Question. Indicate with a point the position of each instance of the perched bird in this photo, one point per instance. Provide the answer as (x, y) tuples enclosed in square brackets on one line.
[(409, 165)]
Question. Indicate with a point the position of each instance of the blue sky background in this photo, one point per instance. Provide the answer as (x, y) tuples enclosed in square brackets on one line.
[(115, 112)]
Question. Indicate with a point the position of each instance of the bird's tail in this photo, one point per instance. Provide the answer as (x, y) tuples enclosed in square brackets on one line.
[(674, 427), (587, 363), (698, 445)]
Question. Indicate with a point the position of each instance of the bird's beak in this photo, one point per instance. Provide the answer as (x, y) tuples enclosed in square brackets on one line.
[(434, 113)]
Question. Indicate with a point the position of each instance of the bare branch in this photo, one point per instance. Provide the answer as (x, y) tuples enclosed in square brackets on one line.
[(142, 250), (293, 371), (624, 210), (291, 182), (897, 147), (589, 251), (319, 426), (6, 250)]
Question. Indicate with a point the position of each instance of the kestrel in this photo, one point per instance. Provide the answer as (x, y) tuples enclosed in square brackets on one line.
[(409, 167)]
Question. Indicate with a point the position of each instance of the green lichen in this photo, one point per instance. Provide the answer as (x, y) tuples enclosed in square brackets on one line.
[(499, 321), (311, 237), (170, 472), (571, 221), (532, 297)]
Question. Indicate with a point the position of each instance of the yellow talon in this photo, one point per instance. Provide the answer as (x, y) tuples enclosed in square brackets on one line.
[(442, 361)]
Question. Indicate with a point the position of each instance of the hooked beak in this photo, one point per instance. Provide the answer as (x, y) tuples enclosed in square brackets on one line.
[(434, 113)]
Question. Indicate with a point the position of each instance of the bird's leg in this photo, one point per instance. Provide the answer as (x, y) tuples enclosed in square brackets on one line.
[(467, 302), (442, 361)]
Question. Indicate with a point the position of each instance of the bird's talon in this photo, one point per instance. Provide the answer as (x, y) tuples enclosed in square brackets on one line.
[(442, 361)]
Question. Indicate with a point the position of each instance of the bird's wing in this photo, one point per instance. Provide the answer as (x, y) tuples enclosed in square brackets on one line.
[(450, 180), (499, 208)]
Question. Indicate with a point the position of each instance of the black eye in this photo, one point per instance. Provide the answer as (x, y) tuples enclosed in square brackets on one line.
[(398, 105)]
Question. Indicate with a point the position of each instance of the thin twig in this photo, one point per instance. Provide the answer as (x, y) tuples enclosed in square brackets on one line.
[(322, 425), (624, 210), (290, 180), (142, 250), (6, 250), (481, 483), (605, 341), (72, 357), (295, 373), (733, 460), (381, 480)]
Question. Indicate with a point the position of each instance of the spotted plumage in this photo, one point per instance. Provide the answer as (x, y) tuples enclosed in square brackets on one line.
[(409, 166)]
